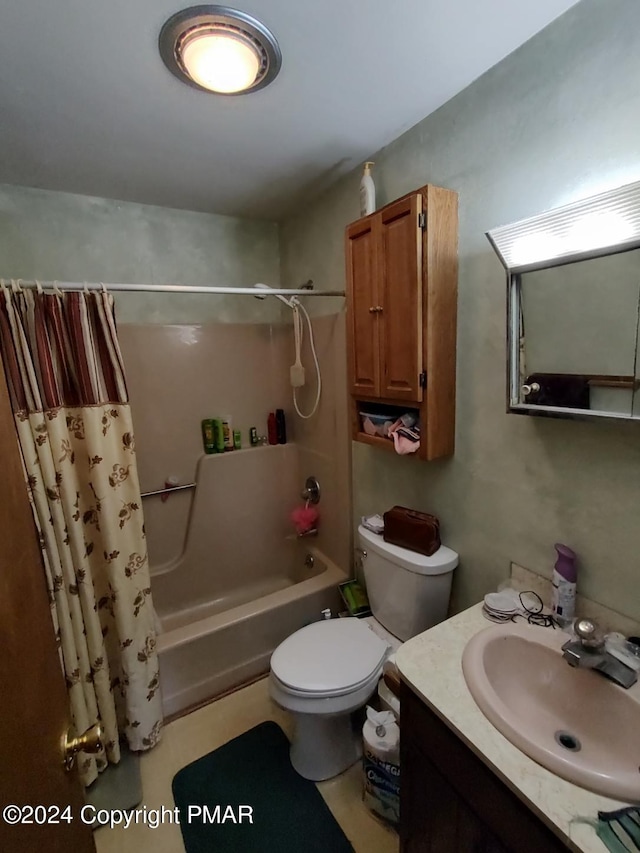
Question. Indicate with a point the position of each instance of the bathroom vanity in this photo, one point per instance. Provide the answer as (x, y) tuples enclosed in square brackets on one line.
[(465, 787)]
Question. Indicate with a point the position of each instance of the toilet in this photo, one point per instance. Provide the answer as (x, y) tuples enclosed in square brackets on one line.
[(329, 669)]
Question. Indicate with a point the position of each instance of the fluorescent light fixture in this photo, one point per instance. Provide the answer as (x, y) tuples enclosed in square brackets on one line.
[(599, 229), (219, 49), (530, 247), (595, 226)]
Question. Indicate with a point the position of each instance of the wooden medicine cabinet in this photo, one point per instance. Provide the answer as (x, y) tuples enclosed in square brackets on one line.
[(402, 281)]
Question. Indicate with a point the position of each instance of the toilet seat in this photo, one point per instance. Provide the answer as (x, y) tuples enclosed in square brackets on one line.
[(327, 659), (370, 682)]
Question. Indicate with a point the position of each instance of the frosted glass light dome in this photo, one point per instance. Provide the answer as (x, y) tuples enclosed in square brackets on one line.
[(221, 63), (218, 49)]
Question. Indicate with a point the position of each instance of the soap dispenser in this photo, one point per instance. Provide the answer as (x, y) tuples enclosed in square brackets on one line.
[(367, 191)]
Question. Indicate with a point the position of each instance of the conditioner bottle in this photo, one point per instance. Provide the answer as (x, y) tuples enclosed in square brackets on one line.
[(367, 191)]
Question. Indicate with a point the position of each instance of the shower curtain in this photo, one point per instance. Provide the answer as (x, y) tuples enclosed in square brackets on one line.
[(68, 392)]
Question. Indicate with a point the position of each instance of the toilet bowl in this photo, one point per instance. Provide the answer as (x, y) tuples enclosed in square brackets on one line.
[(322, 674), (326, 671)]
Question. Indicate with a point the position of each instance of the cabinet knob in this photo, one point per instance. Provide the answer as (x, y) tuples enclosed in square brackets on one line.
[(530, 389), (375, 309)]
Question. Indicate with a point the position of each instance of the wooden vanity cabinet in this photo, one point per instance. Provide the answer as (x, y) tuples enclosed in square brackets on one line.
[(402, 276), (450, 802)]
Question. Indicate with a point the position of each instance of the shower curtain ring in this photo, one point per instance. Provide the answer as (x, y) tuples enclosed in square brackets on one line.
[(56, 289), (39, 287), (104, 287)]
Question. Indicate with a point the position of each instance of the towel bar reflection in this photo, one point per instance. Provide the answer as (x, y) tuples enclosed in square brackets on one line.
[(168, 490)]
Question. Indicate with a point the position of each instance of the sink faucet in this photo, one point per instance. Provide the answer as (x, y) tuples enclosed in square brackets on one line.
[(588, 652)]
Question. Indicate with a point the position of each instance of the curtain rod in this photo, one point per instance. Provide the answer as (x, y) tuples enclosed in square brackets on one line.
[(179, 288)]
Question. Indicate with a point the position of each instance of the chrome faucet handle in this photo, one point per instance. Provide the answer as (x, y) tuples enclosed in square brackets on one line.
[(311, 491), (589, 634)]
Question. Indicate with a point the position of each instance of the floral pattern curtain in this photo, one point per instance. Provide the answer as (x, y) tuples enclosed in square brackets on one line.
[(67, 386)]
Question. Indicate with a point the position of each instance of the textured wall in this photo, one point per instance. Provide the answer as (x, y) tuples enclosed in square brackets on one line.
[(557, 120), (53, 235)]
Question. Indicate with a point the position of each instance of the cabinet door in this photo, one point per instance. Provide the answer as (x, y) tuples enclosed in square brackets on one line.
[(434, 818), (362, 272), (450, 801), (400, 296)]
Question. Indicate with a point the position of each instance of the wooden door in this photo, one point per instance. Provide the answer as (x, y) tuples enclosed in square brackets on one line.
[(362, 294), (400, 296), (35, 707)]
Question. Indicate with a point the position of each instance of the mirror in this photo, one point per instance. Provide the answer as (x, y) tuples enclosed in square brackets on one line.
[(573, 278), (578, 330)]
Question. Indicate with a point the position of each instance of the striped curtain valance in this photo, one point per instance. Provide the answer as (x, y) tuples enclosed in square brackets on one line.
[(60, 349)]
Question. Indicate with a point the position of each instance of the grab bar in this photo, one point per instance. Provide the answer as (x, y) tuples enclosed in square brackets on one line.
[(167, 490)]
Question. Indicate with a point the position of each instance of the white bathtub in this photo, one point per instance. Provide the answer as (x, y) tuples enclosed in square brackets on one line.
[(211, 654)]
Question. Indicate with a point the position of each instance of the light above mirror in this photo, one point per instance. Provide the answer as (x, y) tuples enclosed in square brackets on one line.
[(218, 49), (595, 226), (573, 308)]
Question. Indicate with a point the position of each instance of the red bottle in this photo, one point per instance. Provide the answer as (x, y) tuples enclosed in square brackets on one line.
[(272, 429)]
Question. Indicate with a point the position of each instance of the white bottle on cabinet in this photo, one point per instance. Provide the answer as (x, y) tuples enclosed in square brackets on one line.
[(367, 191)]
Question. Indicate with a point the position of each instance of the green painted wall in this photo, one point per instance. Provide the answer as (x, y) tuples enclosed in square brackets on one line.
[(60, 236), (557, 120)]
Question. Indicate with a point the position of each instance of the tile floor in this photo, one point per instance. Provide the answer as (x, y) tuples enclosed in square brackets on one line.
[(204, 730)]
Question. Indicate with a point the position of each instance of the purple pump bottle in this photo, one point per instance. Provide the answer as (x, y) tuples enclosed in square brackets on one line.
[(564, 581)]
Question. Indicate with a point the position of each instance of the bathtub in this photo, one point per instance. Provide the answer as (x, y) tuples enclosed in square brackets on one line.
[(204, 656), (244, 581)]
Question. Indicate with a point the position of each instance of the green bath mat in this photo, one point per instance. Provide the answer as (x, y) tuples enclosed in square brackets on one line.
[(254, 770)]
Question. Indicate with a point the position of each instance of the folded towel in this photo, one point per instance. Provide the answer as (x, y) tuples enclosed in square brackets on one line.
[(405, 434)]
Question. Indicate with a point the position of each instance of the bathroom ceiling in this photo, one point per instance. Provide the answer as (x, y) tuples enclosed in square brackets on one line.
[(87, 106)]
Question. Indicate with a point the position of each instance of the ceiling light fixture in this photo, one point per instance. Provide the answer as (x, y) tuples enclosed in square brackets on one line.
[(218, 49)]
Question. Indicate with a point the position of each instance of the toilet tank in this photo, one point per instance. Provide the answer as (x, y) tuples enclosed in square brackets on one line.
[(408, 592)]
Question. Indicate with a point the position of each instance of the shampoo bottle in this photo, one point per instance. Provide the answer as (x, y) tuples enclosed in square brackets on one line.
[(281, 427), (272, 430), (208, 437), (563, 582), (367, 191)]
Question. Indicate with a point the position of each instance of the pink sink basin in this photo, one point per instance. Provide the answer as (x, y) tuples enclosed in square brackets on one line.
[(572, 721)]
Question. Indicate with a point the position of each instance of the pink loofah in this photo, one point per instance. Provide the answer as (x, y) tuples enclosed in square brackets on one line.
[(305, 518)]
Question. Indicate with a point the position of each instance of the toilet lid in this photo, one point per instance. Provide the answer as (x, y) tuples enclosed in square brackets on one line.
[(329, 656)]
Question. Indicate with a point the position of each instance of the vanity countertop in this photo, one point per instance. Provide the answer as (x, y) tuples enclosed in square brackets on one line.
[(431, 664)]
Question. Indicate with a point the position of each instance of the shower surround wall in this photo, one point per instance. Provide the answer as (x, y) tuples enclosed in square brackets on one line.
[(179, 375), (557, 120)]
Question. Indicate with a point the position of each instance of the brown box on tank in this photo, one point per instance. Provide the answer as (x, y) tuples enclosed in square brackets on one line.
[(411, 529)]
